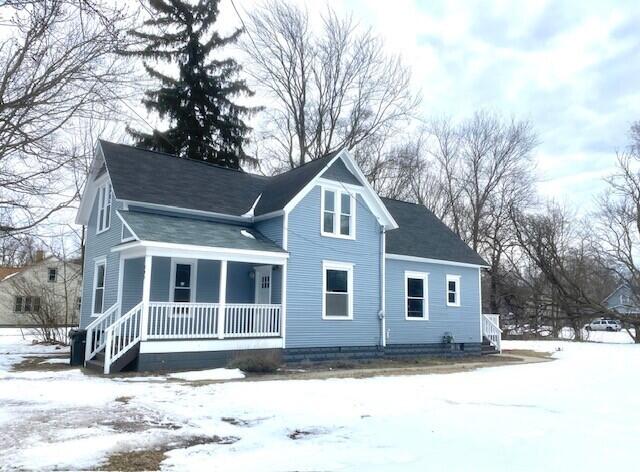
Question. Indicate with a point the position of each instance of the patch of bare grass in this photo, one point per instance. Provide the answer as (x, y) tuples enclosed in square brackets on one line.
[(150, 459), (36, 363)]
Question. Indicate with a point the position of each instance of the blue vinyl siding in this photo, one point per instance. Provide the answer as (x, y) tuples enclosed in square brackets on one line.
[(208, 283), (99, 245), (160, 279), (240, 286), (462, 322), (132, 280), (339, 172), (271, 228), (276, 284), (307, 248)]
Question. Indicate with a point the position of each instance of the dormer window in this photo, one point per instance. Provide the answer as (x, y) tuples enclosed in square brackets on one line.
[(338, 211), (104, 207)]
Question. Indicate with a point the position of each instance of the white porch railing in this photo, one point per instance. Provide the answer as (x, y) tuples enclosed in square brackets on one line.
[(491, 330), (182, 320), (247, 320), (96, 338), (170, 320), (122, 335)]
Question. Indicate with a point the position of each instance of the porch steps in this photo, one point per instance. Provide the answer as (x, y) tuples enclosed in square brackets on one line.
[(97, 363), (487, 347)]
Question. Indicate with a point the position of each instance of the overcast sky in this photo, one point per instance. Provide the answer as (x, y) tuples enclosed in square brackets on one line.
[(571, 67)]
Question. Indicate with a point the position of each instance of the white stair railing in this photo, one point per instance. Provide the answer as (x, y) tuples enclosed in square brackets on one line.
[(248, 320), (491, 330), (122, 335), (96, 331), (182, 320)]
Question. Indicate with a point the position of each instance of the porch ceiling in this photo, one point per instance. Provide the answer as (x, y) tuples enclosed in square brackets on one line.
[(195, 232)]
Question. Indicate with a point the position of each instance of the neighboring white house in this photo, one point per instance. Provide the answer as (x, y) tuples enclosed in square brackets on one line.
[(44, 292)]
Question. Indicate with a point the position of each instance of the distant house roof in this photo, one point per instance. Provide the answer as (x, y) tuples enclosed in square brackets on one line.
[(196, 232), (6, 272), (422, 234)]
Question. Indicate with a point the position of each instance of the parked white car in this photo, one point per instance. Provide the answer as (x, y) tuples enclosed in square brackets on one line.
[(604, 325)]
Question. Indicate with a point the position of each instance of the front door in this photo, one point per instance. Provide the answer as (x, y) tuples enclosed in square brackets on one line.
[(263, 285)]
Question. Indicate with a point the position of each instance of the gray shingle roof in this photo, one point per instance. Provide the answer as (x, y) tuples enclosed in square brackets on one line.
[(283, 187), (155, 177), (422, 234), (181, 230)]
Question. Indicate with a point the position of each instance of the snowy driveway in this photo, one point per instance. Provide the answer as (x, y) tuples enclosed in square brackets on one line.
[(580, 412)]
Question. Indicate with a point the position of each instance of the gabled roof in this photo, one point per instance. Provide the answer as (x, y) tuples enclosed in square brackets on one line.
[(149, 177), (195, 232), (421, 234), (283, 187), (140, 175)]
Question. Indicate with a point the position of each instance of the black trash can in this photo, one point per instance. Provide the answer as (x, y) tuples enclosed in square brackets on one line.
[(78, 339)]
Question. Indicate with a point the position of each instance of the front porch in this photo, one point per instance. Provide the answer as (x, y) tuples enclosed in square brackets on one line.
[(185, 299)]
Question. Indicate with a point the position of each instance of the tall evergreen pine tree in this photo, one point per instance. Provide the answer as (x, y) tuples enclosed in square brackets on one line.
[(205, 123)]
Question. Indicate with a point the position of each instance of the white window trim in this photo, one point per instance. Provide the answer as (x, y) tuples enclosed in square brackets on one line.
[(424, 276), (456, 279), (333, 265), (337, 211), (126, 240), (97, 262), (55, 278), (194, 278), (103, 197)]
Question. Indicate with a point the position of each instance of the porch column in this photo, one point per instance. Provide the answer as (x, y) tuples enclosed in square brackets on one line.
[(146, 294), (283, 303), (222, 298)]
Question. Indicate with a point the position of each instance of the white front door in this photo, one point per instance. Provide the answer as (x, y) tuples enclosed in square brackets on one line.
[(263, 285)]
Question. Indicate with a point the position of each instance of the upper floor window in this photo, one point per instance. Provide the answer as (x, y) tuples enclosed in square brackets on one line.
[(338, 211), (53, 274), (104, 207), (453, 290)]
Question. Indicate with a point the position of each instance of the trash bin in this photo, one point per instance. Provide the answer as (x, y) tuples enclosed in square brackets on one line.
[(78, 339)]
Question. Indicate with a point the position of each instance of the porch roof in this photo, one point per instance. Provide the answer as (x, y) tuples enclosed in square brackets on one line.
[(195, 232)]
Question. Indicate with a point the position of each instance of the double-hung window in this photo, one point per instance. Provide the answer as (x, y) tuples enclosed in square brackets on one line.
[(337, 291), (104, 207), (19, 305), (338, 213), (99, 274), (27, 304), (416, 286), (52, 274), (453, 290)]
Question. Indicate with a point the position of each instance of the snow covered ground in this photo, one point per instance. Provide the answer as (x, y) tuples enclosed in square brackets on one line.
[(579, 412)]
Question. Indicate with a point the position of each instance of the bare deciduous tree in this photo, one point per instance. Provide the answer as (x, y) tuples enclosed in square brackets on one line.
[(331, 89), (58, 65)]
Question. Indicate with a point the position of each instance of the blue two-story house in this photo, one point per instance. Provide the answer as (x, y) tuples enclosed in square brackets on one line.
[(188, 264)]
